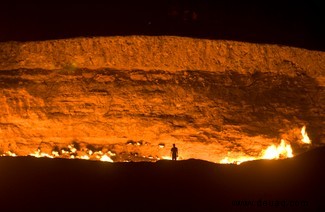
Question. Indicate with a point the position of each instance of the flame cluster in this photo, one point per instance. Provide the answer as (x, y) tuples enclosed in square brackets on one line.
[(281, 151), (274, 151), (70, 153)]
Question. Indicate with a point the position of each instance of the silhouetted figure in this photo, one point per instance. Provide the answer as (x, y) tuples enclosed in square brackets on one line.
[(174, 152)]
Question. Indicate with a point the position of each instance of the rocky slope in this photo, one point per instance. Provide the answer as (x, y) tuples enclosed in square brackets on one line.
[(135, 96)]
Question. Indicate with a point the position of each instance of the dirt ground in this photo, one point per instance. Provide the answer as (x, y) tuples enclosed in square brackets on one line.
[(74, 185)]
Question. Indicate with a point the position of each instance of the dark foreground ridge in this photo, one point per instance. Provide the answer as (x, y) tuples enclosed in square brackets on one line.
[(31, 184)]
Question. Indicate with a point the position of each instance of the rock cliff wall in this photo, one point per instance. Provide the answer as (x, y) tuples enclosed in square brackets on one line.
[(137, 95)]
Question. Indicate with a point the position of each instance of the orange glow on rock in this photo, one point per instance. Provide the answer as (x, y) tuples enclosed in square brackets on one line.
[(130, 98)]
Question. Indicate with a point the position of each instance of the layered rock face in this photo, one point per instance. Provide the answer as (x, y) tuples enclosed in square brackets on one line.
[(136, 96)]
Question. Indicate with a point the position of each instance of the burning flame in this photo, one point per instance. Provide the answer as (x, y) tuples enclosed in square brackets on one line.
[(55, 153), (9, 153), (284, 150), (305, 139), (39, 154), (70, 153), (106, 158), (281, 151), (237, 161), (166, 158), (85, 157)]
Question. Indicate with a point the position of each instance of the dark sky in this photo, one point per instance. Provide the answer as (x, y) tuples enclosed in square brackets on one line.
[(294, 23)]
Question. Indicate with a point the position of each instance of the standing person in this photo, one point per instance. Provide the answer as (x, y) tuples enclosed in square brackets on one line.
[(174, 152)]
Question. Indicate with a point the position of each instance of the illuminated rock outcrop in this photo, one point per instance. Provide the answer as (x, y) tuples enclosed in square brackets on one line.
[(135, 96)]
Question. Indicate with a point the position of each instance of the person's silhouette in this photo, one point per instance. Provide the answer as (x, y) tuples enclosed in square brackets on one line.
[(174, 152)]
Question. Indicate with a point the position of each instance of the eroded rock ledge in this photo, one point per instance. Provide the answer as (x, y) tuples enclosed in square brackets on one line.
[(130, 94), (160, 53)]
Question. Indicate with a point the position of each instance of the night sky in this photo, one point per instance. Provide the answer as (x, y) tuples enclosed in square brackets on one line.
[(293, 23)]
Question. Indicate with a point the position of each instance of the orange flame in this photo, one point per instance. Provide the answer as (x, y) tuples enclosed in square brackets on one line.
[(9, 153), (71, 153), (237, 161), (305, 139), (281, 151), (39, 154), (106, 158)]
